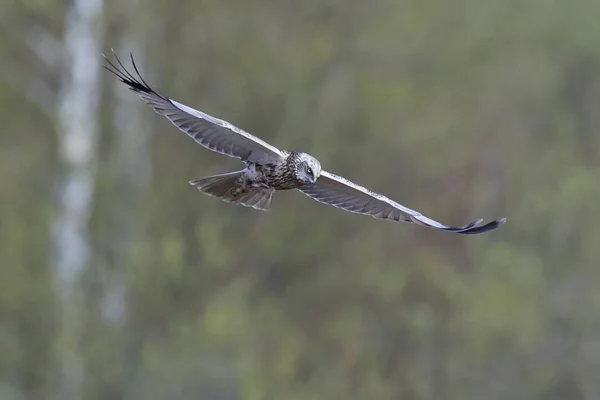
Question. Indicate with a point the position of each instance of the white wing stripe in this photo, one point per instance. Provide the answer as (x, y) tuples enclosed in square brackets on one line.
[(208, 131), (341, 193)]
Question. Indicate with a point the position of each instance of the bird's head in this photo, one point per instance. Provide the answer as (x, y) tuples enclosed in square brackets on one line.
[(308, 169)]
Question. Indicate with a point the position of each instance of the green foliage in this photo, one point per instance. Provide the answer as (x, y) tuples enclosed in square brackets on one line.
[(457, 109)]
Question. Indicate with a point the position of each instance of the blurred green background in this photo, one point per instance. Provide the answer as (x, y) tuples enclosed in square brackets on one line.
[(119, 280)]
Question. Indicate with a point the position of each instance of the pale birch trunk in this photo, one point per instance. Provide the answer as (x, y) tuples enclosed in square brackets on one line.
[(77, 137)]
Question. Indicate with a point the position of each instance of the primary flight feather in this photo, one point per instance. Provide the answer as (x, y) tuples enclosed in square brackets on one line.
[(269, 169)]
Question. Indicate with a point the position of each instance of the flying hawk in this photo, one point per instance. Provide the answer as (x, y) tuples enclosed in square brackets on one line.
[(269, 169)]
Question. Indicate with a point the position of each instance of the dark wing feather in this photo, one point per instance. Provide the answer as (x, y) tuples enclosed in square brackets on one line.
[(341, 193), (214, 134)]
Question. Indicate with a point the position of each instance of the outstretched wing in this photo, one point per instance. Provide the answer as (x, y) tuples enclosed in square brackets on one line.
[(341, 193), (212, 133)]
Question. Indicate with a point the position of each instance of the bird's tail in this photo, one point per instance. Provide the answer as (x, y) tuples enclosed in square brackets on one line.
[(230, 188)]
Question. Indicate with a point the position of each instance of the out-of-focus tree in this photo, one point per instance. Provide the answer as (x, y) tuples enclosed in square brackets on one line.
[(457, 109)]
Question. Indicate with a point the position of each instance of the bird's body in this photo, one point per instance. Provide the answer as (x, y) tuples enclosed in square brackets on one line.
[(290, 172), (269, 169), (254, 185)]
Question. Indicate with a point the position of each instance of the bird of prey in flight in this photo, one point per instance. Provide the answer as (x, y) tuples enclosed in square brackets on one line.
[(269, 169)]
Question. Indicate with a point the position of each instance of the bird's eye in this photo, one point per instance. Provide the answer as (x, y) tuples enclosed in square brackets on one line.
[(309, 171)]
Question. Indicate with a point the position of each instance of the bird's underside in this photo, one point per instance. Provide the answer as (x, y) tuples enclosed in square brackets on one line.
[(269, 169), (251, 187)]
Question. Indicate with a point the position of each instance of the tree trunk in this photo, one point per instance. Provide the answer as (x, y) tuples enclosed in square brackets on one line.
[(77, 136)]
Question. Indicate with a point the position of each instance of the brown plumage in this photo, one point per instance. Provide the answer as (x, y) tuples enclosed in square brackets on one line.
[(269, 168)]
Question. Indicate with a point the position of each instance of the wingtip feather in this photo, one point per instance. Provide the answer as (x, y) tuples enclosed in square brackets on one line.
[(484, 228)]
